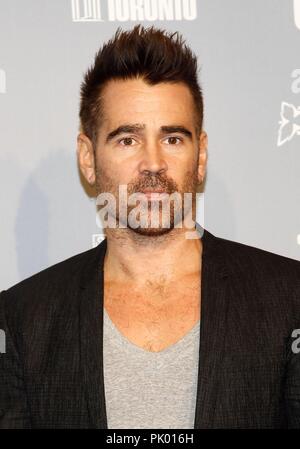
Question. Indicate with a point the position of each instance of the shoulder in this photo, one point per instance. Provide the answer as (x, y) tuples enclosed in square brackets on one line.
[(262, 277), (255, 268), (240, 257), (52, 283)]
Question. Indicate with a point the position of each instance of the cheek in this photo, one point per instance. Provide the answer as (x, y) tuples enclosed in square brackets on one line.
[(104, 177), (110, 175), (184, 168)]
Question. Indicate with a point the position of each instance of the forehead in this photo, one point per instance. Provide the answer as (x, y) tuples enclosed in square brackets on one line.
[(136, 100)]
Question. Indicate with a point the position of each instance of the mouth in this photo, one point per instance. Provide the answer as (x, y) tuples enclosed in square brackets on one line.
[(153, 194)]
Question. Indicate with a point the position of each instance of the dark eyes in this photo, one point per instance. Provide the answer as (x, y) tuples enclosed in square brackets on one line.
[(174, 138), (127, 141)]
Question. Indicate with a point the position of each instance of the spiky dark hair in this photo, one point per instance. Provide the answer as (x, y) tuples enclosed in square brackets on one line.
[(153, 54)]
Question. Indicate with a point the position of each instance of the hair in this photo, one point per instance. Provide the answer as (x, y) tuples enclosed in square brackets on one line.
[(153, 54)]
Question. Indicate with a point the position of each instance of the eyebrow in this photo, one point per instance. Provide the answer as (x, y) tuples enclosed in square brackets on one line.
[(138, 128)]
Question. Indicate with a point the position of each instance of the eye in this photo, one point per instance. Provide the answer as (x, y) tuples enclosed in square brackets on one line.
[(173, 140), (127, 141)]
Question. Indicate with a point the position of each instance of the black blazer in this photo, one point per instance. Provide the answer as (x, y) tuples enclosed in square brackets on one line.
[(51, 375)]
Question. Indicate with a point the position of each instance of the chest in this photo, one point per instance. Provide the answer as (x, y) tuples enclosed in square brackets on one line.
[(155, 316)]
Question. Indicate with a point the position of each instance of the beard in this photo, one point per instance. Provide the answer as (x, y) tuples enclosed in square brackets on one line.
[(146, 217)]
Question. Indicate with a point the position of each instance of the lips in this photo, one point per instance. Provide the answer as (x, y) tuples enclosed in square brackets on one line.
[(153, 194)]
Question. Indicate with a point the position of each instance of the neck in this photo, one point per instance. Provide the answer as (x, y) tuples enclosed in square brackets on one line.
[(140, 259)]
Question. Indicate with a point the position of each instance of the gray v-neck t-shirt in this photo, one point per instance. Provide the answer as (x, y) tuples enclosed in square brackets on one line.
[(149, 390)]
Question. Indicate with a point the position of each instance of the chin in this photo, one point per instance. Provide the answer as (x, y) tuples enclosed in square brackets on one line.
[(151, 232)]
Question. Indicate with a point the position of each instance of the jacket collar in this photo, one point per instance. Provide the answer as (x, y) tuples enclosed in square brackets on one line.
[(214, 275)]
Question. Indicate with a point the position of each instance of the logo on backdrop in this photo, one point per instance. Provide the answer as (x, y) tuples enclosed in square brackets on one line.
[(131, 10), (2, 82), (295, 87), (297, 13), (86, 11), (289, 123)]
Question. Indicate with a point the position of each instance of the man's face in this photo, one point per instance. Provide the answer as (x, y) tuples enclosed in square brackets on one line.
[(147, 140)]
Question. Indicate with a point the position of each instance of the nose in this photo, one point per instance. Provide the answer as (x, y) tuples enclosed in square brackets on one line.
[(153, 161)]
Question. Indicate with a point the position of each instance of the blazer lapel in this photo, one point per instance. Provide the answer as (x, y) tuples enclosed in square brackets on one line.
[(91, 337), (212, 332)]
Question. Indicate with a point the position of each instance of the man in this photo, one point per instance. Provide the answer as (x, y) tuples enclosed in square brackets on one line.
[(162, 325)]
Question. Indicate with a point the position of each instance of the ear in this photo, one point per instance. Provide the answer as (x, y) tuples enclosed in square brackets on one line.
[(202, 156), (86, 158)]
